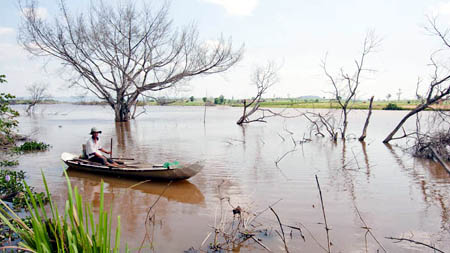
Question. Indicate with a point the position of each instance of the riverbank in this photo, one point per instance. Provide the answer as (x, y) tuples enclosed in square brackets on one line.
[(287, 103)]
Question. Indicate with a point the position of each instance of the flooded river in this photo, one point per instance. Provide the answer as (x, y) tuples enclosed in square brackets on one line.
[(396, 195)]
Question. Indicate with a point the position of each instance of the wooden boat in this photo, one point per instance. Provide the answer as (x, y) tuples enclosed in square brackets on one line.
[(138, 170)]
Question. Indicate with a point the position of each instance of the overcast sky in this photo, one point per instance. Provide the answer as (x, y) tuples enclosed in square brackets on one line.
[(294, 33)]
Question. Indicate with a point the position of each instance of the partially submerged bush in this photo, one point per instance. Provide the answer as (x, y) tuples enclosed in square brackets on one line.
[(392, 106), (439, 141), (32, 146)]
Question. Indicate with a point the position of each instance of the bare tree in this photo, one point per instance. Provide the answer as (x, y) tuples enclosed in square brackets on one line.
[(345, 85), (263, 78), (120, 52), (439, 86), (38, 93)]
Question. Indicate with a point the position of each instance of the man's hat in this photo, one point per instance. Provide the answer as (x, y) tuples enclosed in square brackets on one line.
[(95, 130)]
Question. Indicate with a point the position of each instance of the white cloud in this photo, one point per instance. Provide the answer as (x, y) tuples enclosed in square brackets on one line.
[(6, 30), (236, 7), (41, 12), (441, 8)]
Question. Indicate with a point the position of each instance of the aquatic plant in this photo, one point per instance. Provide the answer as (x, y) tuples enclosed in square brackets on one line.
[(32, 146), (76, 231), (8, 163), (12, 188)]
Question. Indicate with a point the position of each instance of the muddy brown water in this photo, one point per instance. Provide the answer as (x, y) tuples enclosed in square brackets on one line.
[(396, 194)]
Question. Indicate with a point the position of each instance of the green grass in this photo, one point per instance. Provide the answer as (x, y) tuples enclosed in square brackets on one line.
[(309, 104), (75, 231)]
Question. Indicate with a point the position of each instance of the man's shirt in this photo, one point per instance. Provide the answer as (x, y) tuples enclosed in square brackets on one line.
[(92, 147)]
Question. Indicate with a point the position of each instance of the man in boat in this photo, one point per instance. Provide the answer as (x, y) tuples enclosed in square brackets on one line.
[(93, 149)]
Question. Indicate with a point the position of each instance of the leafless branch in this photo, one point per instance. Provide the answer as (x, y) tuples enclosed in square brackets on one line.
[(324, 216), (415, 242), (283, 238), (150, 218)]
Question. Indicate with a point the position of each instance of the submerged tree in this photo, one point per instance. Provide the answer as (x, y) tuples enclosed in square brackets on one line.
[(345, 85), (439, 87), (38, 93), (119, 53), (263, 78)]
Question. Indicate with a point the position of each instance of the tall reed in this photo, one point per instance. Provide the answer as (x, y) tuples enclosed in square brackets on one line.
[(76, 231)]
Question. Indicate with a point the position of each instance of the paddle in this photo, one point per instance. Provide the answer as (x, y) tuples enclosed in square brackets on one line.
[(110, 154)]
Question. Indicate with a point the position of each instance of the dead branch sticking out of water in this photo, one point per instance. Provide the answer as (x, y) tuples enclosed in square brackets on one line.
[(229, 235), (366, 124), (313, 237), (324, 216), (231, 232), (282, 236), (319, 121), (356, 160), (231, 140), (314, 126), (284, 155), (151, 218), (281, 137), (367, 228), (260, 243), (415, 242)]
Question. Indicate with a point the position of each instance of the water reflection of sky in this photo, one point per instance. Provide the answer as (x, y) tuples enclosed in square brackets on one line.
[(396, 194)]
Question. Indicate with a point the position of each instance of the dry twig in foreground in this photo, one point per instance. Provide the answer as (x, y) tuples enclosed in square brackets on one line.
[(324, 216), (415, 242)]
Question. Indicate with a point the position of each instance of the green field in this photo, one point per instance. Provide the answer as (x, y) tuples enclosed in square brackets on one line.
[(324, 104), (275, 103)]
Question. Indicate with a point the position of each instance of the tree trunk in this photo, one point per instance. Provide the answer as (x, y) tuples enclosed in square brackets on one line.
[(400, 124), (363, 135), (30, 107), (244, 116), (122, 112), (344, 110)]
